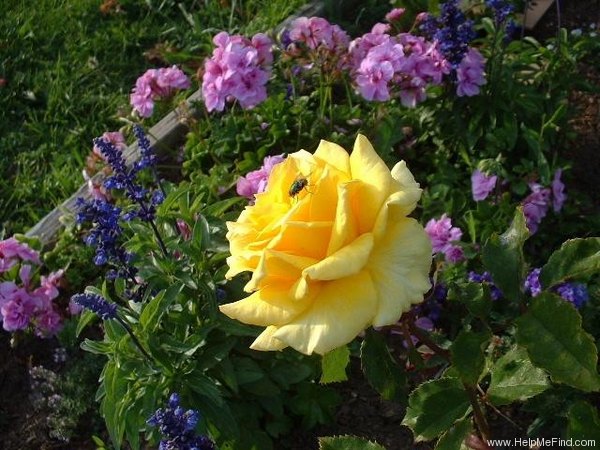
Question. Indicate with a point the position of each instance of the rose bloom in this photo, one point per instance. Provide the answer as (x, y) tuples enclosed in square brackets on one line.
[(330, 248)]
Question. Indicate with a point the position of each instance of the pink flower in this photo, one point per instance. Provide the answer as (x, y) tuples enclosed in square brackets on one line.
[(48, 323), (470, 74), (443, 235), (535, 206), (482, 185), (558, 195), (239, 69), (395, 14), (255, 182), (17, 311), (156, 84), (372, 79), (13, 251), (184, 229), (116, 138)]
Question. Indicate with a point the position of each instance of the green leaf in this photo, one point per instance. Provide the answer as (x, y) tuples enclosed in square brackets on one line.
[(85, 318), (576, 258), (201, 234), (334, 365), (200, 383), (380, 369), (454, 438), (552, 333), (514, 377), (154, 310), (434, 406), (97, 347), (503, 257), (468, 355), (347, 443), (584, 423), (475, 296)]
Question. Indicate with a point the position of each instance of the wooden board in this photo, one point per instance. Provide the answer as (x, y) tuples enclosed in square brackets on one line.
[(534, 12)]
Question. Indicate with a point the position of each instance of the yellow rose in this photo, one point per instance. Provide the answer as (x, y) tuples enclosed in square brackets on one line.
[(330, 249)]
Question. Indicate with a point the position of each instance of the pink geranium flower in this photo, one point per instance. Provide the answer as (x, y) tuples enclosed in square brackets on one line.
[(255, 182), (443, 238)]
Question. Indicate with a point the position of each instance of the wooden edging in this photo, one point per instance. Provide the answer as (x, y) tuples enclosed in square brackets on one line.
[(165, 134), (534, 11)]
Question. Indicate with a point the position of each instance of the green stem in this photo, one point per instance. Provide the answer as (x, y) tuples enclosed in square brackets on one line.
[(135, 339)]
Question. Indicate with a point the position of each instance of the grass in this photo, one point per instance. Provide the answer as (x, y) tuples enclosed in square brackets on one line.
[(68, 70)]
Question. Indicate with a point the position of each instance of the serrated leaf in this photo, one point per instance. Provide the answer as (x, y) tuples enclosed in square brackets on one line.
[(454, 438), (584, 423), (435, 406), (503, 257), (347, 443), (380, 369), (514, 378), (552, 334), (576, 258), (333, 365), (467, 355)]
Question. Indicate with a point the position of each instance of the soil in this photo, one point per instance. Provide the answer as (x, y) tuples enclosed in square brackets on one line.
[(362, 412)]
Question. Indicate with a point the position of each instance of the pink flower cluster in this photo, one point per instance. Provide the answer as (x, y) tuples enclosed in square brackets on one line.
[(255, 182), (156, 84), (317, 33), (536, 204), (470, 74), (444, 237), (23, 305), (379, 62), (238, 70)]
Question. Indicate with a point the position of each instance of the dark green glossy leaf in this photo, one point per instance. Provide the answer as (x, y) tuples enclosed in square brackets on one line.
[(576, 258), (552, 334), (475, 296), (380, 369), (514, 378), (435, 406), (454, 438), (584, 423), (468, 355), (503, 257)]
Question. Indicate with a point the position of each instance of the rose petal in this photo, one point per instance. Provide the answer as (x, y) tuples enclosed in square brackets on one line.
[(266, 342), (375, 176), (342, 309), (269, 306), (347, 261), (399, 267)]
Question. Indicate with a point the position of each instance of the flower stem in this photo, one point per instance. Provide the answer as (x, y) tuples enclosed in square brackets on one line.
[(135, 339)]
